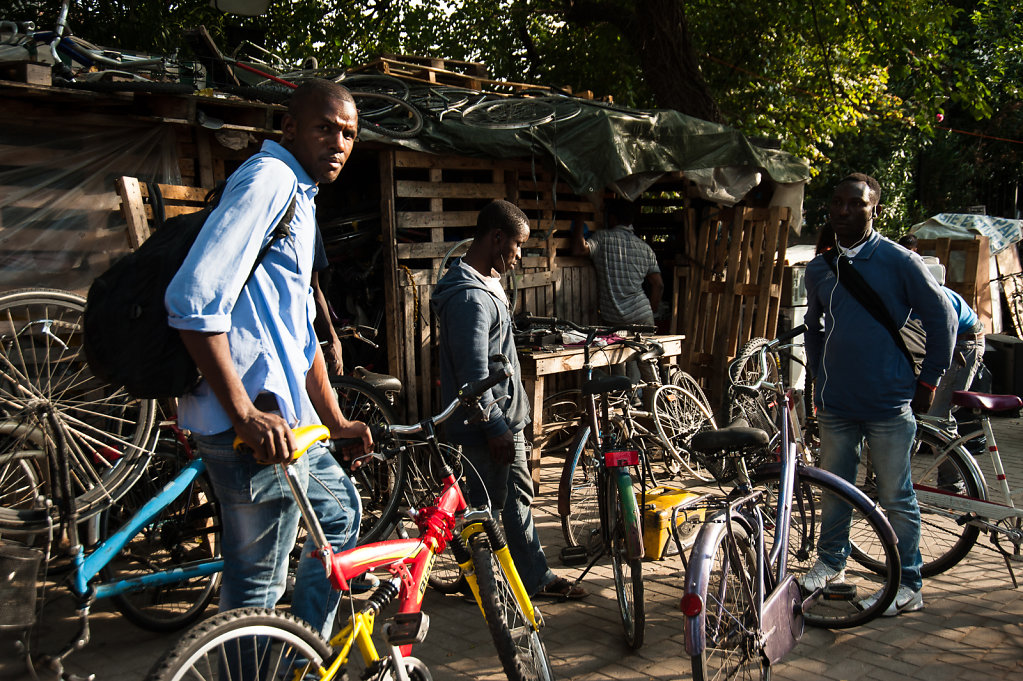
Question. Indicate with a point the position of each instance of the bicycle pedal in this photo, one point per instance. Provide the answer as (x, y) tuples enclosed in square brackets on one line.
[(407, 628), (839, 592), (574, 555)]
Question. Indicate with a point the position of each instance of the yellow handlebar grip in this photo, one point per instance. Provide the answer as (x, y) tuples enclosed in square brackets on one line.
[(305, 437)]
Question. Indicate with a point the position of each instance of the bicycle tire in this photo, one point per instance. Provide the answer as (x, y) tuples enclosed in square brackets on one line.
[(943, 541), (511, 113), (728, 618), (519, 646), (43, 372), (562, 414), (578, 500), (401, 121), (281, 641), (628, 572), (185, 532), (380, 483), (869, 532), (760, 411), (678, 416)]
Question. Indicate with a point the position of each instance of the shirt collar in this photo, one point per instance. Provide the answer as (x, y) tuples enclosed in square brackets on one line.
[(306, 184), (627, 228)]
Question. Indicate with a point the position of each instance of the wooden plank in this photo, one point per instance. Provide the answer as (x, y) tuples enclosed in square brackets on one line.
[(479, 190), (205, 157), (1010, 275), (415, 159), (392, 302), (431, 220), (131, 207)]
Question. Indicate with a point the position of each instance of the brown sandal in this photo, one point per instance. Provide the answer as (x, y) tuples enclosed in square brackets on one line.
[(560, 587)]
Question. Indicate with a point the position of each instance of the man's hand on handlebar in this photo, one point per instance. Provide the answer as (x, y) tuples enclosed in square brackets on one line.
[(267, 435), (353, 442)]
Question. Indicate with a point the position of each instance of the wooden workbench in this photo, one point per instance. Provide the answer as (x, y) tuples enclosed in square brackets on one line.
[(537, 364)]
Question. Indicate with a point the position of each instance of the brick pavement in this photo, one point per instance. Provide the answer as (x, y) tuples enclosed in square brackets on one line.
[(971, 628)]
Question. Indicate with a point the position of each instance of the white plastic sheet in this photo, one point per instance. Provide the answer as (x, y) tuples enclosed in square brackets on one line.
[(60, 219)]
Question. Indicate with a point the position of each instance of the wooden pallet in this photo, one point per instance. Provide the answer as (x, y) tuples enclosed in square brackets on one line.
[(730, 289)]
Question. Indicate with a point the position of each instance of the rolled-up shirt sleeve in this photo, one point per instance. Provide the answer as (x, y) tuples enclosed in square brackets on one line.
[(203, 293)]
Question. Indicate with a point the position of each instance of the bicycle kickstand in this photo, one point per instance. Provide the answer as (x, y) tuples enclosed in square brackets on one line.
[(593, 561)]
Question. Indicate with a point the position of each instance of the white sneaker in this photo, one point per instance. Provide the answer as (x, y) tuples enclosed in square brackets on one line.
[(820, 575), (906, 600)]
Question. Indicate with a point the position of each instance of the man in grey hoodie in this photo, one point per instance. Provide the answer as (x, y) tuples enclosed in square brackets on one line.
[(475, 325)]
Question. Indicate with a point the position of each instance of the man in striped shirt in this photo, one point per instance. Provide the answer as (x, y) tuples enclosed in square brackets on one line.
[(623, 262)]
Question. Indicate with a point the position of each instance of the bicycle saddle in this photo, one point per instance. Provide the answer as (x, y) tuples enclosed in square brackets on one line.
[(985, 402), (737, 435), (653, 352), (382, 382), (606, 384)]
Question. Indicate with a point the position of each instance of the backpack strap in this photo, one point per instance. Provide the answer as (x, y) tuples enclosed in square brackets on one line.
[(866, 296), (281, 231)]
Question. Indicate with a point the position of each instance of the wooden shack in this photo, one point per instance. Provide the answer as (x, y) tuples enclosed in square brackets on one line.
[(388, 222)]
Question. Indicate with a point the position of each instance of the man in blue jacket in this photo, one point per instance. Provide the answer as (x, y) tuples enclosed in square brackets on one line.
[(475, 325), (865, 387)]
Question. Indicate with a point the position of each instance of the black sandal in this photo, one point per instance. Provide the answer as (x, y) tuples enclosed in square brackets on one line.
[(560, 587)]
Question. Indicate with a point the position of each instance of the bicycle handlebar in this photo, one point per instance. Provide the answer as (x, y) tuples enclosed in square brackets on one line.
[(554, 322)]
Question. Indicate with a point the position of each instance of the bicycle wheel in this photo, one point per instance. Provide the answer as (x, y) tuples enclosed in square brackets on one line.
[(43, 373), (511, 113), (578, 502), (759, 411), (519, 646), (628, 573), (380, 483), (839, 606), (390, 116), (679, 415), (186, 532), (728, 618), (422, 487), (249, 643), (938, 479), (562, 413)]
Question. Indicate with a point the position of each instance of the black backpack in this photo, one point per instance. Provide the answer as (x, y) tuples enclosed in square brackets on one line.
[(126, 338)]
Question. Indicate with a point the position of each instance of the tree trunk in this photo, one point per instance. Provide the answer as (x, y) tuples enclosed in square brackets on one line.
[(671, 68)]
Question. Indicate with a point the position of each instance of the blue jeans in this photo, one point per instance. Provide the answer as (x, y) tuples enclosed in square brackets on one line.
[(890, 442), (959, 376), (260, 520), (510, 489)]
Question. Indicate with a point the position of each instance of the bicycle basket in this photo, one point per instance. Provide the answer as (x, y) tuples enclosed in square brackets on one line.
[(18, 569)]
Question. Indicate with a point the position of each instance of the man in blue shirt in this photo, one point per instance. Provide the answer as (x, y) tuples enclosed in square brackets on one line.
[(966, 355), (263, 370), (865, 387)]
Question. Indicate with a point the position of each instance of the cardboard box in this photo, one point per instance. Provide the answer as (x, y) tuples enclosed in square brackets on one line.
[(660, 504)]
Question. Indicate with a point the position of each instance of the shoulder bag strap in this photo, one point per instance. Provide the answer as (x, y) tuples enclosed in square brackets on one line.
[(866, 296)]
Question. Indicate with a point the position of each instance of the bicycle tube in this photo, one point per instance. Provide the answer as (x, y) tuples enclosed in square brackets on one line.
[(630, 514)]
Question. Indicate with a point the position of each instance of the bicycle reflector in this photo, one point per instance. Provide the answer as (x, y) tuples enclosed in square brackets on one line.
[(623, 458), (691, 605)]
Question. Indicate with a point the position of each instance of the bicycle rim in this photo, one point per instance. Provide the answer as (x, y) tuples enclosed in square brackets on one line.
[(245, 644), (840, 606), (729, 616), (509, 114), (562, 413), (391, 117), (579, 502), (186, 532), (759, 411), (678, 416), (106, 432), (519, 646), (628, 574), (380, 483)]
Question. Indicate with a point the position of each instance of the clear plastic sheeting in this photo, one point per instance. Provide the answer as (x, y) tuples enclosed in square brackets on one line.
[(60, 218)]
